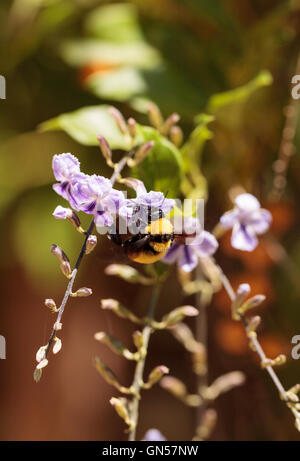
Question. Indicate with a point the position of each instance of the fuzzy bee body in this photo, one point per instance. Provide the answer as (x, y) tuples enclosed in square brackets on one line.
[(151, 244)]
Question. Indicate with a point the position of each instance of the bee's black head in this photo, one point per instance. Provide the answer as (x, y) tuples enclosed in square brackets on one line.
[(146, 213)]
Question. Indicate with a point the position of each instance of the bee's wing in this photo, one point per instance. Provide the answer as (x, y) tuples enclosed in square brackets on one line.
[(135, 245)]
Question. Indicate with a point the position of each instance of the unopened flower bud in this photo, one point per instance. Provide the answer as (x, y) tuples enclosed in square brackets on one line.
[(178, 314), (57, 345), (59, 253), (57, 326), (40, 355), (141, 154), (42, 364), (106, 151), (174, 386), (241, 294), (253, 324), (65, 267), (90, 244), (155, 117), (119, 405), (70, 215), (243, 290), (251, 304), (176, 135), (172, 120), (156, 374), (116, 114), (37, 375), (138, 340), (50, 303), (82, 293), (131, 123)]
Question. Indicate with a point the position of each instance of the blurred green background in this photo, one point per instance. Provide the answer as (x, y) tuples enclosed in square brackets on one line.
[(61, 55)]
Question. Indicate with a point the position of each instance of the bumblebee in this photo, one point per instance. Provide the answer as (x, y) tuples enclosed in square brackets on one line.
[(151, 244)]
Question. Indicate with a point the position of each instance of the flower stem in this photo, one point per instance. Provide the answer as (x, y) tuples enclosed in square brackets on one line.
[(139, 370), (255, 343), (201, 337)]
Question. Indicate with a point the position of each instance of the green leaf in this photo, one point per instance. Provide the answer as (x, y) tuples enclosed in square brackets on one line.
[(118, 23), (86, 123), (81, 52), (192, 155), (162, 168), (240, 94), (119, 85)]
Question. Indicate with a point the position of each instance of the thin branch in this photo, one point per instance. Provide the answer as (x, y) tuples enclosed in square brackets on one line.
[(201, 337), (138, 375), (228, 287)]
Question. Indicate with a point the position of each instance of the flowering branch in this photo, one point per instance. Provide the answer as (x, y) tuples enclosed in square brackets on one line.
[(44, 350), (289, 397)]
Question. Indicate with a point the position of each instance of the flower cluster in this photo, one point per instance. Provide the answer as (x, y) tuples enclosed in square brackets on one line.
[(95, 195), (91, 194)]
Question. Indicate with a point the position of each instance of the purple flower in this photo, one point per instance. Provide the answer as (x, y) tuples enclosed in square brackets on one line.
[(65, 166), (95, 195), (187, 256), (153, 435), (62, 213), (246, 220), (90, 194)]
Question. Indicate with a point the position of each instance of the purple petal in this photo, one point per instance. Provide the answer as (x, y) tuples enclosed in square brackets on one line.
[(205, 244), (61, 189), (260, 221), (243, 238), (172, 254), (62, 213), (103, 219), (64, 166), (229, 218), (188, 259), (247, 202), (153, 435)]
